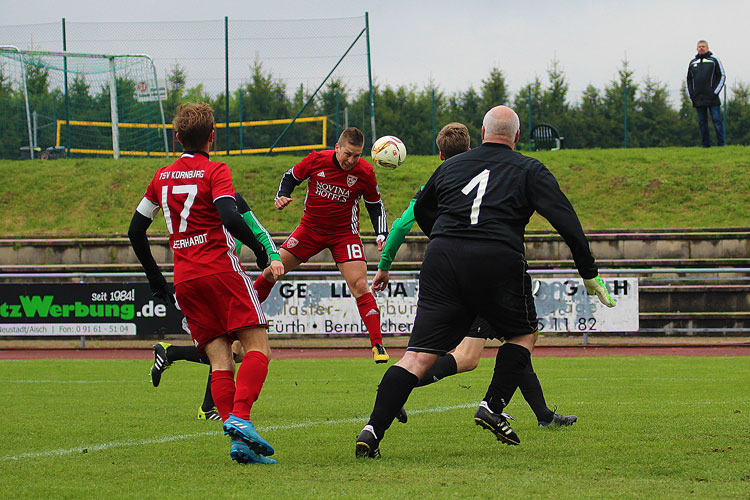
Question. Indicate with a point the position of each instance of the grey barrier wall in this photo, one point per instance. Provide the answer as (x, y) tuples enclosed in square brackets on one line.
[(297, 307)]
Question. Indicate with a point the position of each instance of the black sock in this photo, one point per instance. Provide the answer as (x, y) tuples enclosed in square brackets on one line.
[(186, 353), (208, 399), (393, 391), (510, 364), (445, 366), (533, 394)]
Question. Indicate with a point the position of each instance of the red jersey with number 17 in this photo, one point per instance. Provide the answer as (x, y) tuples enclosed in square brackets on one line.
[(186, 191), (332, 202)]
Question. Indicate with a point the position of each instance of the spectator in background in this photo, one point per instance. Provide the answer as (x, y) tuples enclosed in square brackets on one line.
[(705, 79)]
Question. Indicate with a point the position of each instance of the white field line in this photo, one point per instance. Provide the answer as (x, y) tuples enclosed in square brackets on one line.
[(179, 437)]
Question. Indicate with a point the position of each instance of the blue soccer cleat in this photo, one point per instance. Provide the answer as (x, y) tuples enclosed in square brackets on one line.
[(242, 454), (243, 430)]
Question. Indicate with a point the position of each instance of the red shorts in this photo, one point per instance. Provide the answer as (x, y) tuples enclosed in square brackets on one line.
[(305, 242), (219, 304)]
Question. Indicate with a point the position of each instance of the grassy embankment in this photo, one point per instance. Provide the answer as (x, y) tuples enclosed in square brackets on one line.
[(634, 188)]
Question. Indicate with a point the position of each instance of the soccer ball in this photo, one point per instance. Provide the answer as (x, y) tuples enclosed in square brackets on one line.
[(388, 152)]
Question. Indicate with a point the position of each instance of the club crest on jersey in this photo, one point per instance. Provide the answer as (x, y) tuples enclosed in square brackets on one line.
[(291, 242), (351, 180)]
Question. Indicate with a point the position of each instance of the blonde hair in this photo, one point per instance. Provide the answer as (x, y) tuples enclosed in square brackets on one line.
[(194, 123)]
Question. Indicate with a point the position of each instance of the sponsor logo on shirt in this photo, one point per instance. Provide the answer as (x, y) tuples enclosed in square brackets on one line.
[(331, 192), (291, 242), (351, 180), (321, 174)]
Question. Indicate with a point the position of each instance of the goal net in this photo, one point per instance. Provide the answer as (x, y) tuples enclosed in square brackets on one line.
[(76, 104)]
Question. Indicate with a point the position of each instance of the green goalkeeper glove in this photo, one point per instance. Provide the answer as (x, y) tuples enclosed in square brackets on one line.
[(595, 286)]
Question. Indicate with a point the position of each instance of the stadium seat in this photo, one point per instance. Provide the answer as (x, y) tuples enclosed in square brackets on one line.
[(544, 136)]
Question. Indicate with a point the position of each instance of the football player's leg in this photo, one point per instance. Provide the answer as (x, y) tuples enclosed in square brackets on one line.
[(253, 371), (531, 389), (208, 410), (250, 378), (464, 359), (186, 353), (355, 274), (511, 362), (265, 282), (393, 391), (223, 388)]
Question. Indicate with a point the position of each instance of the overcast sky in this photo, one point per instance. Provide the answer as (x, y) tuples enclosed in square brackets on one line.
[(415, 41)]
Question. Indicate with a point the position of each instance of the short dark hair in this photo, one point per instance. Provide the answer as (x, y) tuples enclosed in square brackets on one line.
[(194, 122), (353, 136), (453, 139)]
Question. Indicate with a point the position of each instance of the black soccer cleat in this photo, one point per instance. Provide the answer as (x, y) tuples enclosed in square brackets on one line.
[(497, 423), (559, 421), (161, 362), (368, 445), (401, 416), (212, 414)]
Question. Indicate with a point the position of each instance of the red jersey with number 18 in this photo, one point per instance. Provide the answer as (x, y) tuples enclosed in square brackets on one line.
[(186, 191), (332, 202)]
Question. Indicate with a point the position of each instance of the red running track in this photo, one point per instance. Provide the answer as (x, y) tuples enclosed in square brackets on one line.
[(285, 353)]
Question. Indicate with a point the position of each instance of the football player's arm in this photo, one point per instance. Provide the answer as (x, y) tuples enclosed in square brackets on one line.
[(260, 232), (553, 205), (233, 221), (139, 224), (379, 221), (284, 195), (426, 207), (396, 237)]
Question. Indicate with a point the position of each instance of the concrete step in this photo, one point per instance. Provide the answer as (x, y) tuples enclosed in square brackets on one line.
[(612, 248)]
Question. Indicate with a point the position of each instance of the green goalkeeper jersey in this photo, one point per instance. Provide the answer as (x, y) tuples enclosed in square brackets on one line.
[(400, 229), (261, 235)]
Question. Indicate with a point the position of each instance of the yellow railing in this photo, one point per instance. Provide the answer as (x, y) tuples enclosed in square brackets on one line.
[(255, 123)]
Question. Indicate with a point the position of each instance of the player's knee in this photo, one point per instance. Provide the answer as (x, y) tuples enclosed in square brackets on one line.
[(466, 363), (471, 363), (360, 287)]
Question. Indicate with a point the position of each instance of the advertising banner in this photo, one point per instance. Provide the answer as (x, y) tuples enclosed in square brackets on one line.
[(78, 309), (563, 305), (295, 307)]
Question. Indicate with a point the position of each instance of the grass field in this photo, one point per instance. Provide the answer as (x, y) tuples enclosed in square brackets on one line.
[(610, 188), (649, 427)]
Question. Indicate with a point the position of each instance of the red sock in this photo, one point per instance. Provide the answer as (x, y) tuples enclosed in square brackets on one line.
[(263, 287), (250, 378), (222, 390), (370, 314)]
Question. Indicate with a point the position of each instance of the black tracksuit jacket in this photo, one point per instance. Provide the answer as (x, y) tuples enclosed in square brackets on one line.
[(705, 79)]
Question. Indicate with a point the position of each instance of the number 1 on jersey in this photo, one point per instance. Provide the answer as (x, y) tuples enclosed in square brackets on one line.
[(481, 181)]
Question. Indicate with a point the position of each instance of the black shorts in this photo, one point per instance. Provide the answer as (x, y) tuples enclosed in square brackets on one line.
[(481, 329), (463, 279)]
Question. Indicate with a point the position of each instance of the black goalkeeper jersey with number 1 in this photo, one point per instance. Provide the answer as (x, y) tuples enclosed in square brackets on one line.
[(489, 193)]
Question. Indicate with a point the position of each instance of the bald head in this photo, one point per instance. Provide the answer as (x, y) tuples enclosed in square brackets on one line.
[(501, 124)]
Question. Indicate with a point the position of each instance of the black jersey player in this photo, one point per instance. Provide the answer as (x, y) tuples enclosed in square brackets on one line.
[(475, 208)]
